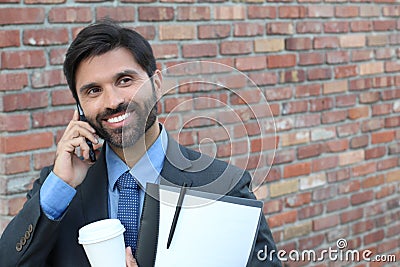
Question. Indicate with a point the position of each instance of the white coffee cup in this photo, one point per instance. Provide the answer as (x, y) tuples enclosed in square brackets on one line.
[(103, 242)]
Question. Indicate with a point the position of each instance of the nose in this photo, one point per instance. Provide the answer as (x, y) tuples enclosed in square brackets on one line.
[(112, 97)]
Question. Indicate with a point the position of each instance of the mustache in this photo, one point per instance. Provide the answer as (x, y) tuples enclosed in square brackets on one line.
[(123, 107)]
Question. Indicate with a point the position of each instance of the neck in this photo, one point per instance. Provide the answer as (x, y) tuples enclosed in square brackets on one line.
[(131, 155)]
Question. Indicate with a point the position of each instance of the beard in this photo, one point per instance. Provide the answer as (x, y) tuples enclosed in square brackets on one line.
[(127, 135)]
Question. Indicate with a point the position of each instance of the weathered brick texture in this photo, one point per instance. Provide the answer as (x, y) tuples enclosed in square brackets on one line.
[(327, 71)]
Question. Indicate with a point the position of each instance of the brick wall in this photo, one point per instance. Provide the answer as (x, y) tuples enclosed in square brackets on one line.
[(329, 71)]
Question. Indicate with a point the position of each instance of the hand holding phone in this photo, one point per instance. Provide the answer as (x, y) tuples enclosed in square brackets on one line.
[(82, 117)]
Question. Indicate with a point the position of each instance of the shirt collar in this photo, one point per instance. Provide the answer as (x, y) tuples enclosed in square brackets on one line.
[(146, 170)]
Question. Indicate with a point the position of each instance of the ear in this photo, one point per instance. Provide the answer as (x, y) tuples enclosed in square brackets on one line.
[(157, 79)]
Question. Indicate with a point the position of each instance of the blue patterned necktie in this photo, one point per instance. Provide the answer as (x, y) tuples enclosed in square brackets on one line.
[(128, 208)]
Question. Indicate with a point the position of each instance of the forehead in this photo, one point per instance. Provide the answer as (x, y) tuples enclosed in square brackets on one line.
[(97, 68)]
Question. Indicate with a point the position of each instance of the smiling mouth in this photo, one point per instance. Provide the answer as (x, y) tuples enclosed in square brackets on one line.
[(119, 118)]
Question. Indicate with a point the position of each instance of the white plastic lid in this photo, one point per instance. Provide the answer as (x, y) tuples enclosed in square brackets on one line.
[(100, 231)]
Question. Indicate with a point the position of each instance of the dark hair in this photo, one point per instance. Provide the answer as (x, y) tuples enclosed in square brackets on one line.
[(100, 38)]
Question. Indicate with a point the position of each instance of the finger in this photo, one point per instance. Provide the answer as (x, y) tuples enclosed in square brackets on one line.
[(78, 131), (130, 260), (75, 117)]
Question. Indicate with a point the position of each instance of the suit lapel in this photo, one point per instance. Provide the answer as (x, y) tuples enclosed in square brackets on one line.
[(94, 191)]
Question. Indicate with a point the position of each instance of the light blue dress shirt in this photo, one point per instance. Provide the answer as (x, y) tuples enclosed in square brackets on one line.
[(55, 194)]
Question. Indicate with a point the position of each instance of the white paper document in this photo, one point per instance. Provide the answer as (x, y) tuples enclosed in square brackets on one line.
[(208, 232)]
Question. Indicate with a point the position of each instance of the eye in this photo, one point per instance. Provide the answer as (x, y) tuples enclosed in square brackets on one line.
[(93, 91), (124, 81)]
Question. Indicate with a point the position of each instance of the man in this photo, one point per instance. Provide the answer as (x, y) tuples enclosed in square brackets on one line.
[(106, 68)]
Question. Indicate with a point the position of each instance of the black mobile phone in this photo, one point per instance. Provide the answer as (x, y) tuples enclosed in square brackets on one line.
[(82, 117)]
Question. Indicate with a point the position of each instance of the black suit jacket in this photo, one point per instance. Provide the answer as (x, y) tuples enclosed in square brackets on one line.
[(31, 239)]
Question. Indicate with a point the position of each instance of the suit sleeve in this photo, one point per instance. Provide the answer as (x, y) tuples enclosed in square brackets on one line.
[(264, 237), (29, 237)]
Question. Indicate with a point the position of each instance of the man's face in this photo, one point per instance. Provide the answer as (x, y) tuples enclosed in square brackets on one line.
[(116, 96)]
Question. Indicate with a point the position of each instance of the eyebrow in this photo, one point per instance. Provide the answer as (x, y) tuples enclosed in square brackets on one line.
[(115, 76)]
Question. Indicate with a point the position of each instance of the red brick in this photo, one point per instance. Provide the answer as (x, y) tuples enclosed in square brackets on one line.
[(24, 101), (13, 81), (18, 143), (369, 97), (384, 53), (334, 116), (364, 169), (14, 165), (48, 78), (70, 14), (250, 63), (339, 175), (324, 193), (44, 37), (324, 163), (148, 32), (215, 31), (392, 122), (384, 25), (336, 27), (272, 206), (282, 218), (43, 159), (337, 204), (361, 26), (298, 44), (392, 67), (121, 14), (311, 242), (337, 57), (52, 118), (379, 82), (387, 164), (281, 61), (23, 59), (391, 94), (372, 125), (243, 29), (308, 90), (176, 32), (359, 141), (326, 222), (373, 181), (345, 71), (352, 215), (362, 55), (346, 11), (309, 151), (307, 120), (311, 58), (350, 186), (237, 12), (280, 28), (292, 76), (385, 191), (292, 12), (358, 112), (314, 11), (261, 12), (199, 50), (320, 104), (13, 204), (374, 237), (308, 27), (156, 13), (293, 107), (236, 47), (336, 145), (297, 169), (21, 15), (319, 74), (263, 78), (165, 51), (298, 200), (325, 42), (382, 137), (57, 56), (284, 156), (359, 198), (348, 129), (9, 38), (361, 227), (360, 84), (376, 152)]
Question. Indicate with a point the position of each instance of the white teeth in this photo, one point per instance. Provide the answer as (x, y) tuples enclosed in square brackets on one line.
[(119, 118)]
